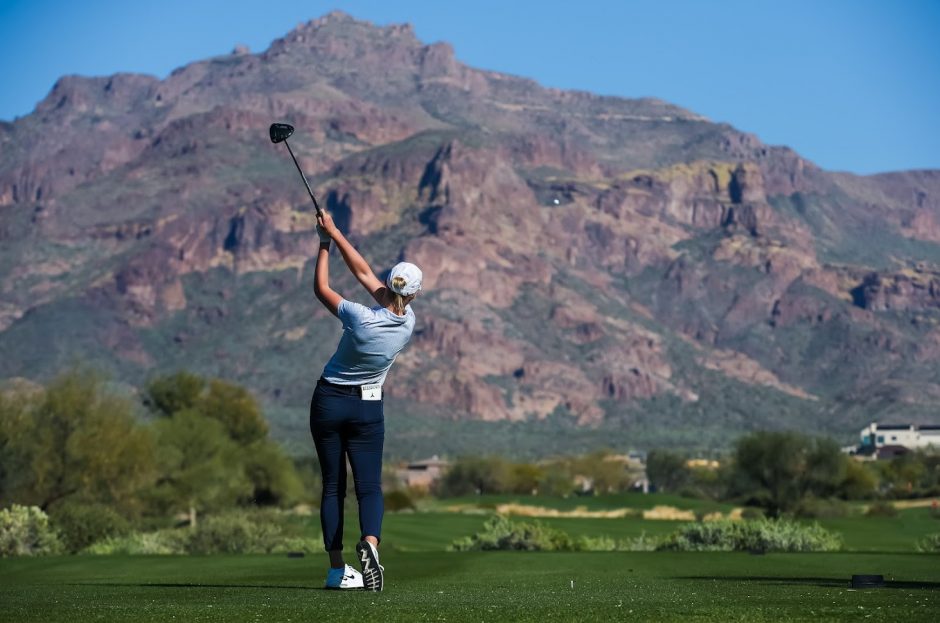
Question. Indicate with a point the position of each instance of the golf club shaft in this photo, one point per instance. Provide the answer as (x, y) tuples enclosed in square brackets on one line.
[(304, 177)]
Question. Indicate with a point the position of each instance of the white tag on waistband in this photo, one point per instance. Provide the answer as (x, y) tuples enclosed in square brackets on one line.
[(371, 392)]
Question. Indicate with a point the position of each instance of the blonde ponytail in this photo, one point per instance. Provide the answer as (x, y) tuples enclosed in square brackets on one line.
[(398, 301)]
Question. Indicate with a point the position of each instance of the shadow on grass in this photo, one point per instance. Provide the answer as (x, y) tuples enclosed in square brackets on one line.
[(193, 585), (824, 582)]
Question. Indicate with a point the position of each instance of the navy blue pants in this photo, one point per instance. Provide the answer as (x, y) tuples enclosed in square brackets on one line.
[(344, 425)]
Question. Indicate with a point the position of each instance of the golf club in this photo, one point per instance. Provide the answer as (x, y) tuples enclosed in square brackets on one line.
[(279, 134)]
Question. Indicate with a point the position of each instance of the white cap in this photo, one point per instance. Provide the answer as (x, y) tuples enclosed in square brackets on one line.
[(410, 273)]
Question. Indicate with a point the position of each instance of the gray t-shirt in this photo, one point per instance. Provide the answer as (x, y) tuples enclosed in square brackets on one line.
[(372, 338)]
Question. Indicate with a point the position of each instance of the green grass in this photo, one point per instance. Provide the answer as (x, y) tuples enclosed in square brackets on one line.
[(429, 532), (426, 583), (434, 531), (475, 586), (884, 534)]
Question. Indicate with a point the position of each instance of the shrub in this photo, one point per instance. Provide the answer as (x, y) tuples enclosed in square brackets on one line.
[(80, 525), (501, 533), (930, 543), (760, 535), (25, 531), (882, 509), (752, 512), (641, 543), (597, 544), (149, 543), (398, 500), (233, 533)]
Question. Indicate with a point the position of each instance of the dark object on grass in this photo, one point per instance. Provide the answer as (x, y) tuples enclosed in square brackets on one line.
[(279, 133), (295, 554), (868, 581)]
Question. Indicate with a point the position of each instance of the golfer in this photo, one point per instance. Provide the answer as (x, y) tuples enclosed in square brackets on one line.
[(346, 416)]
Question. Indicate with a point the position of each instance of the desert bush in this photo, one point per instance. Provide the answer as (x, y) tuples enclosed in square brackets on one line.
[(26, 531), (80, 525), (760, 535), (168, 541), (237, 532), (234, 533), (501, 533), (641, 543), (398, 500), (929, 544), (600, 543), (881, 509)]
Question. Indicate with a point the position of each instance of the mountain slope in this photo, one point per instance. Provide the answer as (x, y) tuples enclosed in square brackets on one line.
[(598, 270)]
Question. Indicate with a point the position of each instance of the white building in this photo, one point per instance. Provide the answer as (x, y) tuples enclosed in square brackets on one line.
[(909, 436)]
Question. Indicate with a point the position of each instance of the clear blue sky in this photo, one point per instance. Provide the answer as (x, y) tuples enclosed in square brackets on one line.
[(851, 84)]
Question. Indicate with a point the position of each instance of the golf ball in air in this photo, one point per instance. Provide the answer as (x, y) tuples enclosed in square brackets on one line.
[(556, 201)]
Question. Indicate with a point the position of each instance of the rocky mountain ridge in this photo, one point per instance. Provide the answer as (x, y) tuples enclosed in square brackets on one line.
[(594, 265)]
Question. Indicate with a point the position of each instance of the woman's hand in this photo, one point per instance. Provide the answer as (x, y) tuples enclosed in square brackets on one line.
[(325, 223), (324, 237)]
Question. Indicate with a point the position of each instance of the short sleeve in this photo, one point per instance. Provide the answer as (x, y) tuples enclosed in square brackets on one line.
[(351, 314)]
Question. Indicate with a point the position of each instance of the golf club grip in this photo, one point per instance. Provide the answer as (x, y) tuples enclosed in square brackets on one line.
[(303, 177)]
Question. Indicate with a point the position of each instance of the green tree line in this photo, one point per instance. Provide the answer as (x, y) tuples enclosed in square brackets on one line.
[(781, 473), (82, 455), (601, 471), (788, 473)]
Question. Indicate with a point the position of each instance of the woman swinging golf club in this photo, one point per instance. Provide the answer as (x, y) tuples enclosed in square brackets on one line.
[(346, 416)]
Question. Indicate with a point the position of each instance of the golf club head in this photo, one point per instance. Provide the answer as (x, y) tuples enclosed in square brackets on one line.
[(280, 132)]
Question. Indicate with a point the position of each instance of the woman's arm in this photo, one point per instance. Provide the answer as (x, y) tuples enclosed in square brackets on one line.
[(321, 280), (356, 263)]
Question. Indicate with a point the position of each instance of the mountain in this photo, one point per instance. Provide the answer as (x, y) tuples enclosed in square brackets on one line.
[(598, 270)]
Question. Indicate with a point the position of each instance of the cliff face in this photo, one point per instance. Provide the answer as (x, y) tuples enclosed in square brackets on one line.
[(590, 262)]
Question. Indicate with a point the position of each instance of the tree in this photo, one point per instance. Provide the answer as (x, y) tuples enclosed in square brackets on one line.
[(273, 475), (667, 471), (604, 470), (230, 404), (524, 478), (201, 468), (17, 408), (556, 479), (73, 442), (912, 474), (480, 475), (776, 470), (168, 394), (256, 470), (236, 409)]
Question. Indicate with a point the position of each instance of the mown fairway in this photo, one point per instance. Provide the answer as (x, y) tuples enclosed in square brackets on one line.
[(426, 583), (475, 587)]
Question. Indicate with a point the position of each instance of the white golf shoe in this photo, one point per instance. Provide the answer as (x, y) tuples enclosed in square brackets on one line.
[(344, 578), (373, 574)]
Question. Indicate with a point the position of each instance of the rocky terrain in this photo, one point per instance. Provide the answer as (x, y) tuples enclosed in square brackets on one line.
[(597, 270)]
